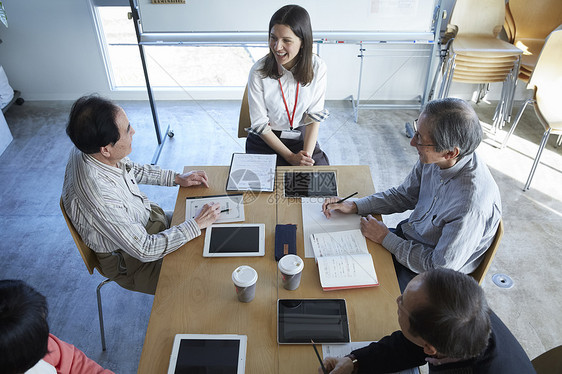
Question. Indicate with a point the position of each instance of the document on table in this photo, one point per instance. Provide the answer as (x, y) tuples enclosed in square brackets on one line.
[(234, 204), (343, 260), (314, 221), (340, 350), (251, 172)]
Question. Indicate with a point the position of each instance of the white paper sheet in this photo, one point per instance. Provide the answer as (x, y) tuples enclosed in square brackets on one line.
[(234, 204), (314, 221), (251, 172)]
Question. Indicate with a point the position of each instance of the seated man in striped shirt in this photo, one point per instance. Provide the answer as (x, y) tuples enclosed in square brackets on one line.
[(129, 233), (455, 200)]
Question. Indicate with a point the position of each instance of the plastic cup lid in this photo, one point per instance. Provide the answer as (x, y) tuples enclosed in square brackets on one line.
[(244, 276), (291, 264)]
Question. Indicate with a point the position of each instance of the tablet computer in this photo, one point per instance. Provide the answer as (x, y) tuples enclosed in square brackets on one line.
[(202, 353), (310, 184), (235, 240), (302, 320)]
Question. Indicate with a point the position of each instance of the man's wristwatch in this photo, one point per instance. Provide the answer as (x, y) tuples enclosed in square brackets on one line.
[(353, 359)]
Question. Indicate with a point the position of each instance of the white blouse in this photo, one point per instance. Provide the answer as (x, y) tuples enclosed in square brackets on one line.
[(267, 108)]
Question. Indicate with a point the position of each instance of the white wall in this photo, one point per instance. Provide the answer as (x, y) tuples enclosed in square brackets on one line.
[(51, 52)]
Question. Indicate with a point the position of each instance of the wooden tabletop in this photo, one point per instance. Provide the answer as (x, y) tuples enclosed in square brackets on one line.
[(195, 294)]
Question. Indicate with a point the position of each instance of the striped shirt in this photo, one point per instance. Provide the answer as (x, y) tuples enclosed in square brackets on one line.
[(110, 212), (267, 108), (456, 213)]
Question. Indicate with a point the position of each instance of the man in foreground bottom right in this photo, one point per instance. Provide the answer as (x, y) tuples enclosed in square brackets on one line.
[(444, 320)]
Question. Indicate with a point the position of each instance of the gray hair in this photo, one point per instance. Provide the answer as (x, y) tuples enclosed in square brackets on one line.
[(453, 123)]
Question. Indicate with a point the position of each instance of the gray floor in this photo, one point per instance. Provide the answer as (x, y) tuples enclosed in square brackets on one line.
[(36, 246)]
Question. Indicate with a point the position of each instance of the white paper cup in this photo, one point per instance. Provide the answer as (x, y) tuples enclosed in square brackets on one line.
[(245, 278), (290, 267)]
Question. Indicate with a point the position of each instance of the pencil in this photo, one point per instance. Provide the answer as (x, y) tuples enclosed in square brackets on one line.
[(225, 210), (319, 359), (345, 198)]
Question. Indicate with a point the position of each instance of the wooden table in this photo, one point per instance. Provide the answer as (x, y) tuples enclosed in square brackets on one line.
[(196, 295)]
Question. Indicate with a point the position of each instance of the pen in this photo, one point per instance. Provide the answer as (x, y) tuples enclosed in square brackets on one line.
[(225, 210), (345, 198), (319, 359)]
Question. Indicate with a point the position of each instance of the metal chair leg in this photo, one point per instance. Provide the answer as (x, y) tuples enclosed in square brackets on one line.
[(100, 312), (537, 158), (512, 129)]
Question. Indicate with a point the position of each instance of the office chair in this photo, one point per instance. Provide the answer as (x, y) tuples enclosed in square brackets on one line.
[(244, 120), (550, 362), (91, 262), (477, 56), (546, 83), (480, 272)]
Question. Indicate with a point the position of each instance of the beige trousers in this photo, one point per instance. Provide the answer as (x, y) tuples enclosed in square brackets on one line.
[(129, 272)]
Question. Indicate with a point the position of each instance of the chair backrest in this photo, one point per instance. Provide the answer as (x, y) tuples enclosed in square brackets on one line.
[(480, 272), (548, 71), (535, 19), (479, 17), (244, 120), (550, 362), (89, 257)]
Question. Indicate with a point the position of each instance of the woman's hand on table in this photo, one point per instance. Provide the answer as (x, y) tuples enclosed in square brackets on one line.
[(301, 158)]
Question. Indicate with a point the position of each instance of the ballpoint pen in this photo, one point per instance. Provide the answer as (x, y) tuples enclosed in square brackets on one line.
[(345, 198), (319, 359)]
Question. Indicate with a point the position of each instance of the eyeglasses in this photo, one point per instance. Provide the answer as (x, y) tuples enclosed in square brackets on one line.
[(417, 137)]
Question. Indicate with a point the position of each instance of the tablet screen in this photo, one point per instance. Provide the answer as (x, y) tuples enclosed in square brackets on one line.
[(232, 240), (310, 184), (217, 354), (207, 356), (321, 320)]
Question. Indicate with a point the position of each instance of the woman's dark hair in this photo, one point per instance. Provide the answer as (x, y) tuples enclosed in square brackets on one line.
[(24, 332), (91, 124), (456, 318), (297, 18)]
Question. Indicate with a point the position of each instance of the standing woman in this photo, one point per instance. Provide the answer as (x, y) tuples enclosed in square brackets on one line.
[(286, 92)]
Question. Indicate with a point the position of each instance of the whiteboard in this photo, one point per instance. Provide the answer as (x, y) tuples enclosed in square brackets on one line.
[(251, 17)]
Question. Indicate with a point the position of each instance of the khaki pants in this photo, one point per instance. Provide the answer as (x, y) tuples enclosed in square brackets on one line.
[(129, 272)]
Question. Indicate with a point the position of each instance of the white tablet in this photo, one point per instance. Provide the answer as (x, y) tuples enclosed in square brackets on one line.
[(235, 240), (203, 353)]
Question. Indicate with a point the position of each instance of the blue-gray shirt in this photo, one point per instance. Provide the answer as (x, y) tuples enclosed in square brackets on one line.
[(456, 212)]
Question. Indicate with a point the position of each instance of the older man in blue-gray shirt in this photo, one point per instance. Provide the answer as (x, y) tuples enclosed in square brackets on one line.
[(456, 202)]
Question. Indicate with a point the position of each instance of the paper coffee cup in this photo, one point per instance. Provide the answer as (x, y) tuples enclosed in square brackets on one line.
[(245, 278), (290, 267)]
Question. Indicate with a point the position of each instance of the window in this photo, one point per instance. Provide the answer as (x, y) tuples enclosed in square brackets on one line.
[(168, 66)]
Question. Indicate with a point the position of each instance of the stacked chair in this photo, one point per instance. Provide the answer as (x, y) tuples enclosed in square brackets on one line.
[(546, 83), (527, 24), (477, 56)]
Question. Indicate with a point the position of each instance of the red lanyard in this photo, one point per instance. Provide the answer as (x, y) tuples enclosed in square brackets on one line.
[(291, 118)]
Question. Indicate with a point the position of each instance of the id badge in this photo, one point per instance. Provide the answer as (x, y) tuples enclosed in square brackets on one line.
[(290, 134)]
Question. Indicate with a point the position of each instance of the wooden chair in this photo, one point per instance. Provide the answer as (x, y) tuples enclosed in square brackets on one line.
[(531, 22), (244, 120), (91, 262), (549, 362), (477, 56), (546, 83), (480, 272)]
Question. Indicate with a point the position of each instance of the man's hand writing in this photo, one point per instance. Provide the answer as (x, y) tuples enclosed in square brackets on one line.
[(209, 214)]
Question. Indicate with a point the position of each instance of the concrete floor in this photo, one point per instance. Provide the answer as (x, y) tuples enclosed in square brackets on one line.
[(36, 245)]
